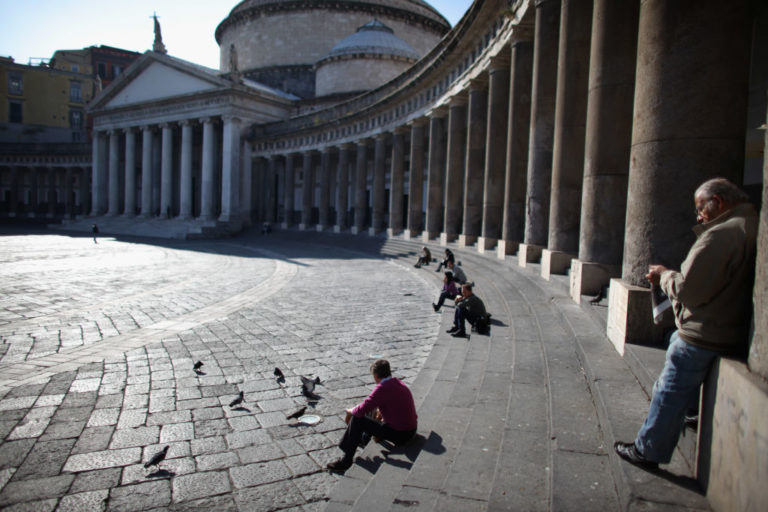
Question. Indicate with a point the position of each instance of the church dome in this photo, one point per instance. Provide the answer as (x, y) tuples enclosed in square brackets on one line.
[(370, 57), (278, 42)]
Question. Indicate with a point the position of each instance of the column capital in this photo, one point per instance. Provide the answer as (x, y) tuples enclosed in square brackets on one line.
[(129, 129), (146, 127), (499, 62), (381, 136), (522, 34), (479, 83), (419, 121), (229, 118), (362, 142), (186, 122), (165, 125), (401, 129), (327, 149), (309, 152), (438, 112), (345, 146), (207, 120), (459, 99)]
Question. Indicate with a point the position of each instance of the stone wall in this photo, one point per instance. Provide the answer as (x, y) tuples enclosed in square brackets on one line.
[(298, 80), (304, 37), (358, 74)]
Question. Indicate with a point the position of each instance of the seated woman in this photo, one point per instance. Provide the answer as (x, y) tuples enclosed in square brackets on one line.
[(449, 291), (424, 258), (448, 258)]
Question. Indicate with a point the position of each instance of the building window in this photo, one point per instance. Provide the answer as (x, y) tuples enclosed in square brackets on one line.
[(101, 70), (76, 119), (14, 112), (75, 68), (15, 84), (75, 92)]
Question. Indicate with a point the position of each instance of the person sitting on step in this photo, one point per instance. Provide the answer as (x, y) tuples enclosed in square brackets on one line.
[(424, 258), (449, 291), (448, 257), (468, 307), (458, 274)]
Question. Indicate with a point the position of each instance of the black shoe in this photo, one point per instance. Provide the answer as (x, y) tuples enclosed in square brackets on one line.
[(434, 306), (452, 330), (629, 452), (460, 334), (339, 465)]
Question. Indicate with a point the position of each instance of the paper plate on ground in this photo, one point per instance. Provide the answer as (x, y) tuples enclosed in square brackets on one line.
[(310, 419), (376, 356)]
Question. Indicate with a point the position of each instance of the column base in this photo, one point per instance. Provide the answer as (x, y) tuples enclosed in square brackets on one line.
[(391, 233), (528, 253), (411, 235), (589, 278), (467, 241), (554, 262), (303, 227), (355, 230), (629, 316), (485, 244), (338, 229), (180, 217), (373, 231), (446, 238), (426, 236), (283, 225), (320, 228), (505, 248)]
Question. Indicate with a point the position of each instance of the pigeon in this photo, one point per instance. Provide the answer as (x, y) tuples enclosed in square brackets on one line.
[(197, 366), (308, 385), (237, 401), (296, 414), (279, 374), (157, 458), (600, 296)]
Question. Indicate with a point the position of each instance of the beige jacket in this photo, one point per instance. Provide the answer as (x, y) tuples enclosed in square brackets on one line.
[(712, 293)]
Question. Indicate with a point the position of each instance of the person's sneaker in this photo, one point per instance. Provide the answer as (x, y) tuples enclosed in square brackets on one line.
[(459, 334), (339, 465), (434, 306), (452, 330), (629, 452)]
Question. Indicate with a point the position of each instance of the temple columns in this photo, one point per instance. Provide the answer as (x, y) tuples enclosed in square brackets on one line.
[(568, 149), (166, 171), (436, 167), (130, 172), (324, 203), (289, 191), (454, 169), (607, 146), (519, 119), (539, 176), (97, 163), (396, 183), (495, 156), (361, 181), (416, 181), (475, 162), (185, 176), (207, 187), (342, 188), (146, 171), (308, 189), (378, 192)]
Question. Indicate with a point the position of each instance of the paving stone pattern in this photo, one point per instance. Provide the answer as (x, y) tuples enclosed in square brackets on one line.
[(77, 437)]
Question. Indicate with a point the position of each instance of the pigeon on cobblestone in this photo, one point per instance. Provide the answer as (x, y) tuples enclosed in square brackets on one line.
[(197, 366), (237, 401), (157, 458), (296, 414), (279, 374), (308, 386)]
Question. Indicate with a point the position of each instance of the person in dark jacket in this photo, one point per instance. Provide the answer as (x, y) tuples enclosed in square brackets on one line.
[(468, 307), (448, 257)]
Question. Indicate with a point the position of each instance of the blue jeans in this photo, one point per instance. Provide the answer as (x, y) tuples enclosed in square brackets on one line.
[(676, 389)]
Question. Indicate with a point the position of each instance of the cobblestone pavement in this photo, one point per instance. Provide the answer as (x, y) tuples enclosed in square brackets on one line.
[(75, 436)]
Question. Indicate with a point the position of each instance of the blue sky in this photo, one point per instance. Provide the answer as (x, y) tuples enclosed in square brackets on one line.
[(37, 28)]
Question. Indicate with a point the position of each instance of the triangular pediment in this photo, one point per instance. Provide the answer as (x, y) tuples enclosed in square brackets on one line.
[(159, 81)]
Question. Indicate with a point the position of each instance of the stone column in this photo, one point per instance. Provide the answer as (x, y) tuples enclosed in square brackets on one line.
[(34, 206), (14, 192), (130, 172), (681, 136), (416, 180), (230, 174), (495, 152), (539, 178), (435, 178), (246, 183), (308, 190), (474, 178), (607, 144), (166, 172), (157, 162), (85, 203), (114, 173), (454, 168), (758, 350), (289, 189), (207, 187), (568, 148), (69, 203), (51, 192), (378, 192), (270, 196), (98, 182), (361, 182), (342, 188), (185, 176), (324, 204), (396, 183), (146, 171), (519, 120)]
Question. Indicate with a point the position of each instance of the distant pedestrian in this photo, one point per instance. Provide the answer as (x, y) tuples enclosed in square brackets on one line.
[(448, 258), (266, 228), (95, 231), (424, 258)]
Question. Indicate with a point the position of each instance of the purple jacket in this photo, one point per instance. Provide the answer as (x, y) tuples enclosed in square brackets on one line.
[(394, 401)]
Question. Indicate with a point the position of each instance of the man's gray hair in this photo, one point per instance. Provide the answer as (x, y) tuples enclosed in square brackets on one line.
[(724, 188)]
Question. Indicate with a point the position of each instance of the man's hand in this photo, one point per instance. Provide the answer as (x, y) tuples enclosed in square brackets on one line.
[(348, 418), (654, 273), (377, 415)]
